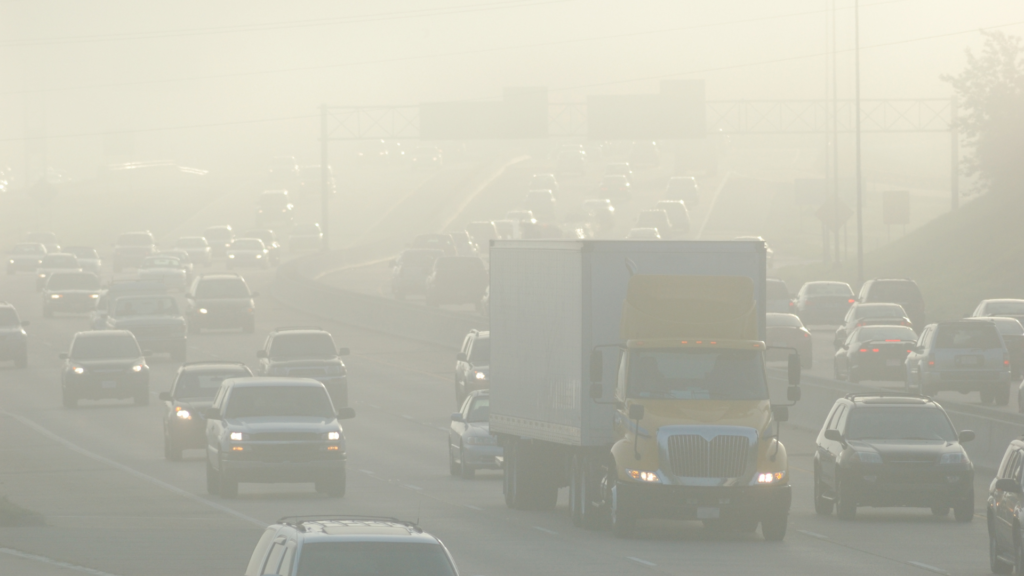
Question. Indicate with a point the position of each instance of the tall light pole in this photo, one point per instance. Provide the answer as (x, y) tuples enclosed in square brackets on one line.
[(856, 115)]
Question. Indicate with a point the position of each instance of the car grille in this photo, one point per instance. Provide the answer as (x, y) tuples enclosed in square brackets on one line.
[(910, 458), (284, 436), (307, 372), (693, 456)]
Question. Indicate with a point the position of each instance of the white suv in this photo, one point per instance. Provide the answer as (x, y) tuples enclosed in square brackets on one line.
[(302, 545)]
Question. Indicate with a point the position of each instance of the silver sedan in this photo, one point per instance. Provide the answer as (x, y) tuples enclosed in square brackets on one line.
[(471, 446)]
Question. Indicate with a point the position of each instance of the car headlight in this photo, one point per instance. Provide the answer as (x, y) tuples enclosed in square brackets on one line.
[(770, 477), (334, 435), (953, 458), (231, 255), (54, 296), (42, 275), (94, 296), (259, 255), (183, 414), (643, 475), (202, 311), (480, 375), (866, 457), (235, 436), (78, 370), (137, 368)]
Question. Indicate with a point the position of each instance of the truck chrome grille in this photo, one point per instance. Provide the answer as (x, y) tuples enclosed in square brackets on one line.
[(693, 456)]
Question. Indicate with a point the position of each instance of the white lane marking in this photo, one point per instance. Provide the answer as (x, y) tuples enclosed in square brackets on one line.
[(545, 530), (927, 567), (641, 561), (471, 507), (366, 471), (813, 534), (411, 487), (52, 562), (103, 459)]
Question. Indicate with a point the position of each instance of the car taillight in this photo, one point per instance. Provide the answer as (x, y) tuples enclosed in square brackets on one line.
[(874, 349), (931, 361), (851, 300), (792, 304)]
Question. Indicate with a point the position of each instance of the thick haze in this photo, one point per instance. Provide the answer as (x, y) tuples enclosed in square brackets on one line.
[(88, 68)]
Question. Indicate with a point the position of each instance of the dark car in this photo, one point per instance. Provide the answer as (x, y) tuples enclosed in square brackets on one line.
[(442, 242), (274, 430), (25, 256), (57, 262), (870, 315), (964, 356), (471, 446), (98, 315), (219, 238), (248, 252), (784, 332), (778, 298), (102, 364), (824, 302), (155, 320), (306, 352), (74, 292), (220, 301), (192, 392), (874, 353), (456, 280), (13, 338), (1013, 338), (884, 451), (898, 291), (1005, 512), (410, 270), (131, 249), (472, 364), (270, 242)]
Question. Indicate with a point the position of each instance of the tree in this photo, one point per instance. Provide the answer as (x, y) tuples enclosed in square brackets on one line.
[(990, 95)]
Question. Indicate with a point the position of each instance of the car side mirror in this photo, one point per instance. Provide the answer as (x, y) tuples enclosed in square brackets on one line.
[(62, 356), (343, 352), (346, 413), (919, 349), (596, 391), (780, 413), (166, 396), (834, 435), (965, 436), (212, 413), (636, 411), (25, 322), (794, 370), (457, 417), (793, 393), (461, 357), (1008, 485), (596, 366), (261, 353)]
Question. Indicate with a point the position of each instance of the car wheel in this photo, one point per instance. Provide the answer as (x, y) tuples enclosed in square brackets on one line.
[(940, 511), (963, 511), (822, 505), (997, 565), (453, 467), (773, 526), (69, 399), (141, 397), (846, 508), (212, 479), (466, 471)]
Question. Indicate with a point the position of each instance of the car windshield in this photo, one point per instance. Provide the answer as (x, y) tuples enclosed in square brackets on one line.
[(83, 253), (777, 291), (83, 281), (105, 347), (8, 317), (374, 559), (479, 410), (480, 354), (248, 244), (134, 240), (165, 306), (697, 374), (829, 289), (1006, 307), (899, 423), (882, 333), (191, 243), (222, 288), (160, 262), (305, 345), (974, 335), (204, 383), (280, 401), (29, 249), (880, 311), (60, 261), (790, 320), (894, 292)]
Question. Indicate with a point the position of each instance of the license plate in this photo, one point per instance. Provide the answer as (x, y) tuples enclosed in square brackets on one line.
[(109, 384), (707, 513), (893, 362), (968, 360)]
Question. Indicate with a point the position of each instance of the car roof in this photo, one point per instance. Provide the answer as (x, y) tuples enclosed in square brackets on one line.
[(875, 399), (358, 530), (103, 333), (261, 381), (1002, 300), (221, 276)]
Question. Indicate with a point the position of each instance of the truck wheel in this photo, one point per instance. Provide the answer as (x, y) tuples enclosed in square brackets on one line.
[(773, 526), (466, 471), (582, 491), (623, 519), (963, 511), (212, 479), (1002, 394), (822, 506)]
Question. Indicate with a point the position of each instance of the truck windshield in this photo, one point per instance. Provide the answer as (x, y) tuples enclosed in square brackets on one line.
[(697, 374)]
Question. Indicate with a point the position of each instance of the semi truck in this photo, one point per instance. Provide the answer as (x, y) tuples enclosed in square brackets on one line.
[(633, 372)]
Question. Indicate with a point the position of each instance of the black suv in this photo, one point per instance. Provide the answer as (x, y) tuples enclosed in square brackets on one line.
[(1006, 512), (876, 450), (131, 249), (332, 544), (220, 301), (306, 352), (104, 364), (191, 394), (13, 338), (897, 291), (471, 364)]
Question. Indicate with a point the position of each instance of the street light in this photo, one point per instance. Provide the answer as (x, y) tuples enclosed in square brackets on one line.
[(856, 115)]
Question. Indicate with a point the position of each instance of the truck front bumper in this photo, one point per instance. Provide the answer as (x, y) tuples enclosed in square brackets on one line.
[(702, 502)]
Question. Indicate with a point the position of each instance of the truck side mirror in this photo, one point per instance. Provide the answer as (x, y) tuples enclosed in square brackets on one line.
[(636, 411), (596, 391), (794, 370), (793, 393), (780, 413), (596, 366), (461, 357)]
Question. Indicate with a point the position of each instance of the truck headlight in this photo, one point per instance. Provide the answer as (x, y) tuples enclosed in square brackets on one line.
[(866, 457), (54, 296), (78, 370), (770, 477), (643, 476), (334, 435), (235, 436), (183, 414), (480, 375), (137, 368)]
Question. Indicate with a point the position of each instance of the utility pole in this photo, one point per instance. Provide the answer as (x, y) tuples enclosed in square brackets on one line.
[(325, 190), (856, 112), (954, 144), (835, 131)]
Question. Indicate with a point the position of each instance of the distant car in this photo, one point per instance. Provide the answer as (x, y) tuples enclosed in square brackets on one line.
[(541, 202), (619, 169), (1013, 337), (248, 252), (892, 451), (98, 315), (482, 233), (1007, 307), (319, 545), (544, 182), (197, 247), (88, 258), (870, 315), (778, 297), (1005, 514), (683, 188), (521, 216), (441, 242), (823, 302), (13, 338), (269, 242), (48, 239), (155, 320), (643, 234), (571, 162), (464, 245), (787, 331), (184, 260), (166, 269), (657, 219), (57, 262), (601, 214), (471, 446), (219, 238), (769, 253), (306, 352), (472, 364), (192, 393), (132, 248), (963, 356), (275, 207), (898, 291), (615, 187), (456, 280), (306, 237), (410, 269), (74, 292), (678, 214), (645, 154), (426, 157), (219, 301), (104, 364), (876, 353), (275, 429), (25, 257)]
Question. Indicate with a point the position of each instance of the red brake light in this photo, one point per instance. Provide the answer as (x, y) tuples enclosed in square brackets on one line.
[(893, 340), (874, 349), (863, 350), (851, 300)]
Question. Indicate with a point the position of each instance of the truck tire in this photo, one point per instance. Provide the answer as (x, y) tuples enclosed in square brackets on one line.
[(582, 489), (623, 519), (773, 526)]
